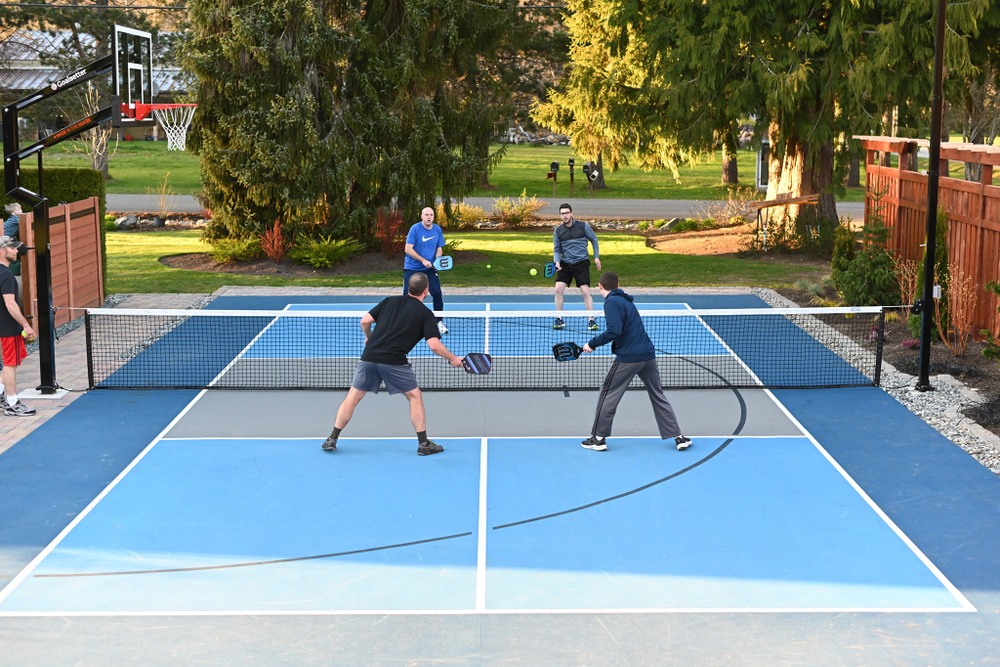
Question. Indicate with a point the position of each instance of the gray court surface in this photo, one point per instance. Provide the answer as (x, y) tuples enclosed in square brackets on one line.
[(303, 414)]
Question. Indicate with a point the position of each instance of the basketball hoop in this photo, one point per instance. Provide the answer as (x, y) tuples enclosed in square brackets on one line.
[(175, 119)]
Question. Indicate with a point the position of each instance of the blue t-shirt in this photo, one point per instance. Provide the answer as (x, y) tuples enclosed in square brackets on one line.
[(425, 242)]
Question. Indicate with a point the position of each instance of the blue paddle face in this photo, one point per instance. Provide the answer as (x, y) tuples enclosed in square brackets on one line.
[(443, 263), (477, 363), (550, 269), (567, 351)]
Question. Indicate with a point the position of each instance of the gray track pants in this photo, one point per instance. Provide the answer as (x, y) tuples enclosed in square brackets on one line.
[(615, 384)]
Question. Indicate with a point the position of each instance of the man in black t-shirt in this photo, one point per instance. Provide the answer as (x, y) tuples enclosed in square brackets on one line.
[(402, 322), (14, 329)]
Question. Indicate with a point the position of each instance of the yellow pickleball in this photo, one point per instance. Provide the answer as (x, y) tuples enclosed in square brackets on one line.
[(533, 272)]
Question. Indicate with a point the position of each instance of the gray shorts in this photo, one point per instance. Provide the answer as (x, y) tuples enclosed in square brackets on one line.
[(369, 376)]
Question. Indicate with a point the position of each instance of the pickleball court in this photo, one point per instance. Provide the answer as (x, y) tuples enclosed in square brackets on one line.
[(232, 509)]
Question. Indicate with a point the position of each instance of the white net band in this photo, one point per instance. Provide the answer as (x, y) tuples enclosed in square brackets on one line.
[(175, 121)]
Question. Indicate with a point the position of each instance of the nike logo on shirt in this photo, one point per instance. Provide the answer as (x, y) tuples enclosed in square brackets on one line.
[(425, 239)]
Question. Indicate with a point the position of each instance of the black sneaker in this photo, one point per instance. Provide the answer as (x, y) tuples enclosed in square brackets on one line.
[(559, 324), (3, 402), (19, 409), (428, 448), (683, 442), (330, 444), (592, 324), (595, 443)]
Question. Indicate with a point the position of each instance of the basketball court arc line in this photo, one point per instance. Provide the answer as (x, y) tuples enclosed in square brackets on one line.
[(619, 496), (625, 494), (951, 588), (256, 563)]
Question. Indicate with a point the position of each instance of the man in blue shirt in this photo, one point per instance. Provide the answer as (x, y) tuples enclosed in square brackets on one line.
[(425, 243), (634, 355)]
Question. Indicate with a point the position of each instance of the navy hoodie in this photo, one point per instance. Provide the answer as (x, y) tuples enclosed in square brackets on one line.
[(624, 330)]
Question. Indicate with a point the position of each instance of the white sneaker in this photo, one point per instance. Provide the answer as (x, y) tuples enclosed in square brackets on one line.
[(19, 409), (442, 329)]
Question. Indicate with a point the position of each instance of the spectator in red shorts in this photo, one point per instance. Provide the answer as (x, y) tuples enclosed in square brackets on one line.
[(14, 329)]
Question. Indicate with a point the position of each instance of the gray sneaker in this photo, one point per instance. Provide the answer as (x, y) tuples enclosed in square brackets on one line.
[(3, 402), (19, 409), (428, 448), (330, 444)]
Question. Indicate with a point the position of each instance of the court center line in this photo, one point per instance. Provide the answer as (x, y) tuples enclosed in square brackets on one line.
[(481, 544)]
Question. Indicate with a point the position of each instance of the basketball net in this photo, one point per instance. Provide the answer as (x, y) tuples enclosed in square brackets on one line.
[(175, 121)]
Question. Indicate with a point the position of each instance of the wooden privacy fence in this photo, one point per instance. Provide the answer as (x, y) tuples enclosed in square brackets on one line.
[(75, 253), (972, 209)]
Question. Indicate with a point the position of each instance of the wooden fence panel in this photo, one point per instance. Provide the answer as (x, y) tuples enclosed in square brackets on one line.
[(972, 210), (76, 272)]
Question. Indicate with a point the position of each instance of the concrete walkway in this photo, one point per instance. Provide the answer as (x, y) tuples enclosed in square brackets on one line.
[(642, 209)]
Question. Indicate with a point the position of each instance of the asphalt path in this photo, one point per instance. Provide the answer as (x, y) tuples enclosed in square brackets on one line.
[(584, 208)]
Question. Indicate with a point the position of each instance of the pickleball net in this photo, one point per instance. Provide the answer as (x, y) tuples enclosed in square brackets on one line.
[(319, 349)]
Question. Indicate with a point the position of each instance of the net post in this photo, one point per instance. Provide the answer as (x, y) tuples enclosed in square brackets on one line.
[(90, 350), (879, 345)]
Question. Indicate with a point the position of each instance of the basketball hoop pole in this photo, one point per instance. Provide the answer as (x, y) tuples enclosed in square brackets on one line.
[(13, 155)]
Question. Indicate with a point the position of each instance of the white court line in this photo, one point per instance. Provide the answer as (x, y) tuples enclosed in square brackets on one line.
[(483, 528), (491, 612)]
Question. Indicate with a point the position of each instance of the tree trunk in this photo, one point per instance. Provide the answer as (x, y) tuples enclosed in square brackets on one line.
[(599, 183), (730, 169), (99, 155), (974, 170), (798, 173), (854, 173)]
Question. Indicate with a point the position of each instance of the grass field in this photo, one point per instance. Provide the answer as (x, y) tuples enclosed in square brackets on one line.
[(134, 266), (139, 167)]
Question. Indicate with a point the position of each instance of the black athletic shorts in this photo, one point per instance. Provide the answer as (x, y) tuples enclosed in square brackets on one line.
[(570, 272)]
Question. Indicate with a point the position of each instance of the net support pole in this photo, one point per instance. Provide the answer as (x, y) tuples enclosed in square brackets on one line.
[(44, 324), (933, 174)]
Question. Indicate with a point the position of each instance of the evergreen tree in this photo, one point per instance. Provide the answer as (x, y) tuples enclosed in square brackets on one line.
[(670, 74), (320, 112)]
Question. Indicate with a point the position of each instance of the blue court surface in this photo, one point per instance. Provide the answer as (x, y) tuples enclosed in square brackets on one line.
[(834, 515)]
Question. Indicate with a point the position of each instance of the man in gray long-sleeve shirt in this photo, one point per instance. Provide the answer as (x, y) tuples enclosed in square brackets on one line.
[(572, 260)]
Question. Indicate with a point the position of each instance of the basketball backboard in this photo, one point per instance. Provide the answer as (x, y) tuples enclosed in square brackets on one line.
[(132, 77)]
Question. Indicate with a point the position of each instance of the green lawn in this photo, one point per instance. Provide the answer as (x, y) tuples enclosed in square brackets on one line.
[(139, 167), (136, 167), (526, 167), (134, 266)]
